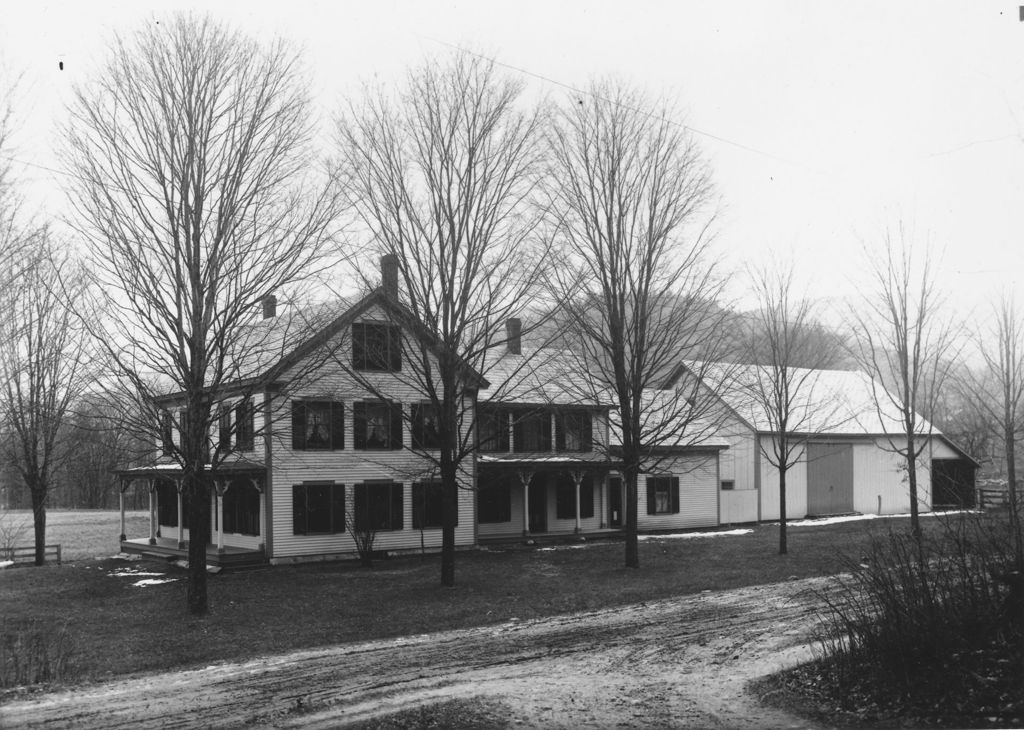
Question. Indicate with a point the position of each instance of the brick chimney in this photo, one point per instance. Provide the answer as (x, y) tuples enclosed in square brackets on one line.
[(389, 275), (269, 306), (513, 331)]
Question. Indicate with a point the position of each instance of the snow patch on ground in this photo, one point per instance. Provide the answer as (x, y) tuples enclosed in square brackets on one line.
[(6, 564), (152, 582), (853, 518), (687, 535), (564, 547), (132, 573)]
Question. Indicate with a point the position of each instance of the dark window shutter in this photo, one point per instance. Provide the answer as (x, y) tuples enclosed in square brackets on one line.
[(545, 430), (396, 506), (652, 505), (298, 509), (337, 426), (338, 508), (675, 495), (517, 433), (395, 348), (359, 425), (588, 431), (396, 425), (419, 505), (560, 420), (298, 425), (224, 438)]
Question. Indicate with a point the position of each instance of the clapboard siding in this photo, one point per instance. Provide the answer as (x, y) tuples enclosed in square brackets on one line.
[(698, 494), (882, 475), (328, 380), (796, 489)]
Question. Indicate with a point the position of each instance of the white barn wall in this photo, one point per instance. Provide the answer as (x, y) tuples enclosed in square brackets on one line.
[(796, 490), (879, 472)]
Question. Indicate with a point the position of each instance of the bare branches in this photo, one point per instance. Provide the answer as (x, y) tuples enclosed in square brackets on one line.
[(442, 175), (630, 208), (195, 188), (906, 344), (785, 336)]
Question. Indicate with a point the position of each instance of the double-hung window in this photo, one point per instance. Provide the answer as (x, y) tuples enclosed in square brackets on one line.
[(378, 506), (377, 347), (573, 431), (377, 425), (317, 508), (662, 495), (427, 504), (425, 432), (532, 431), (318, 425)]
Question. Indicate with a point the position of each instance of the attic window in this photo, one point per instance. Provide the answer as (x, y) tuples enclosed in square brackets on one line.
[(376, 347), (728, 484)]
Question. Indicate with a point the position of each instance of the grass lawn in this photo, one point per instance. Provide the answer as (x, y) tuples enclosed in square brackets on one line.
[(81, 533), (119, 628)]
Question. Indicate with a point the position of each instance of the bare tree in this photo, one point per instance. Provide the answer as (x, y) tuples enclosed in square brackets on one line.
[(194, 186), (998, 391), (45, 365), (906, 343), (788, 352), (441, 174), (629, 200)]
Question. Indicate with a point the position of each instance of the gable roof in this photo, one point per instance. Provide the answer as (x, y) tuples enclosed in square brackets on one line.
[(829, 402), (269, 347), (540, 376)]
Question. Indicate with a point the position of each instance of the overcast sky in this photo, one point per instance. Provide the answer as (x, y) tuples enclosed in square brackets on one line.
[(824, 122)]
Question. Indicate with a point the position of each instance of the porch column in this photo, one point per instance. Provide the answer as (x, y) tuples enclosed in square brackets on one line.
[(603, 501), (152, 512), (524, 478), (219, 487), (577, 477), (263, 512), (181, 530), (120, 499)]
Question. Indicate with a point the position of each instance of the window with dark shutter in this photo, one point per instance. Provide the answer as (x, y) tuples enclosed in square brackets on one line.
[(224, 431), (318, 425), (378, 506), (166, 433), (532, 431), (573, 431), (318, 508), (492, 430), (425, 433), (245, 426), (662, 495), (427, 505), (377, 425)]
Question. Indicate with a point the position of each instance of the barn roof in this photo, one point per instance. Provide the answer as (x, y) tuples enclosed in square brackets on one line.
[(836, 402)]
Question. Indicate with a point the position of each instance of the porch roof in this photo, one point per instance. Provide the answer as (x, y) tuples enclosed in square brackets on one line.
[(172, 469), (546, 459)]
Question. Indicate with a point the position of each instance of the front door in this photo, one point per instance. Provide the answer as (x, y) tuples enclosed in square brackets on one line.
[(615, 502), (538, 507), (829, 479)]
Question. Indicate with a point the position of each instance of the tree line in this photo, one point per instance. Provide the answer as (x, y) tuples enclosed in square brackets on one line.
[(198, 186)]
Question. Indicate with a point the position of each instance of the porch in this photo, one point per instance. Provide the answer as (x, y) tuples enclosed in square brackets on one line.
[(238, 513), (165, 547), (553, 496)]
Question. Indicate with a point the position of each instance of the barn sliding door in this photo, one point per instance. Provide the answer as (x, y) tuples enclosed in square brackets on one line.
[(829, 479)]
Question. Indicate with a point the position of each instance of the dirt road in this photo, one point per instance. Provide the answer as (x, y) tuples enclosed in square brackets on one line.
[(674, 663)]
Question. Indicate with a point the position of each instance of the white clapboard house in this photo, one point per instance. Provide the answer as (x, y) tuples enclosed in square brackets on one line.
[(309, 447)]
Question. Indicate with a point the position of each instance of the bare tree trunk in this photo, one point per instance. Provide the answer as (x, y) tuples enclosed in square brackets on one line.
[(783, 544), (39, 522), (632, 508)]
